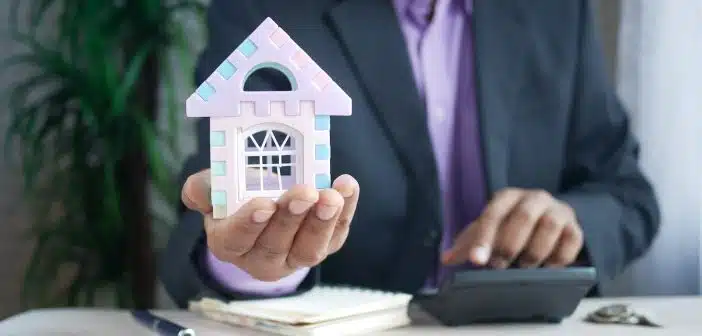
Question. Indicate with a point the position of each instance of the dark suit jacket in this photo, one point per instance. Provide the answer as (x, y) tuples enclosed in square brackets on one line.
[(548, 114)]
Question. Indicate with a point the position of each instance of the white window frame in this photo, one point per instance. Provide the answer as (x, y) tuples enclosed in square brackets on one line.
[(297, 161)]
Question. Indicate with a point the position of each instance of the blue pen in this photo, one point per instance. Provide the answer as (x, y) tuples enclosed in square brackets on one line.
[(160, 325)]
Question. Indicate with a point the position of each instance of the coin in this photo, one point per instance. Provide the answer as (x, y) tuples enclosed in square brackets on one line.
[(620, 314), (616, 310)]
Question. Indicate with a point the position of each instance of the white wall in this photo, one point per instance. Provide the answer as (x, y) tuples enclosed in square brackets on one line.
[(660, 80)]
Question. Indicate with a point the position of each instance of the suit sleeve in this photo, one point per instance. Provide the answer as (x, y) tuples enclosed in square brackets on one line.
[(184, 271), (613, 200)]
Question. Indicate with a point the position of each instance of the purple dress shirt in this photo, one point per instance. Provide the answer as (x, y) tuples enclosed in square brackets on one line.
[(441, 55)]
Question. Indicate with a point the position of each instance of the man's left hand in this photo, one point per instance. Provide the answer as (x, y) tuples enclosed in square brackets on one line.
[(530, 227)]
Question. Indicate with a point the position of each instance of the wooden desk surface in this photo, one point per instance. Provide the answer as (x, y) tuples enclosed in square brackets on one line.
[(679, 315)]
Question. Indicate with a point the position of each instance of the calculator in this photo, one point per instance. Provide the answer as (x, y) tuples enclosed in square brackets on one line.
[(539, 295)]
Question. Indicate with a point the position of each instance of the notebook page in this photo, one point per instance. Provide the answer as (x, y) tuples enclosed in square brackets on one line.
[(319, 304), (354, 325)]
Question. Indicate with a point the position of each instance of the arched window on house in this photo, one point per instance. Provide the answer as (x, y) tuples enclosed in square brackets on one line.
[(272, 154), (269, 76)]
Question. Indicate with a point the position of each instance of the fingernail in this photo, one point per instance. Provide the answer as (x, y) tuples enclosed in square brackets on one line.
[(190, 203), (526, 262), (551, 265), (481, 254), (326, 212), (208, 183), (345, 185), (298, 207), (262, 216), (499, 263)]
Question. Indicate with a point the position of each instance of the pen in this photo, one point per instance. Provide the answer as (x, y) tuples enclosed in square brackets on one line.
[(160, 325)]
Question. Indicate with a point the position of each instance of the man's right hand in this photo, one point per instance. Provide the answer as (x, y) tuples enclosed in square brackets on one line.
[(270, 240)]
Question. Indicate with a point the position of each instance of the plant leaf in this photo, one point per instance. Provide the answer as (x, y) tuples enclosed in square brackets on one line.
[(130, 77)]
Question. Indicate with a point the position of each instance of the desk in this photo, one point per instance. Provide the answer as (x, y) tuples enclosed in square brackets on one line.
[(680, 315)]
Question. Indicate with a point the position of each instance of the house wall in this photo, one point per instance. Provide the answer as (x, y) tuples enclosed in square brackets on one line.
[(233, 111), (313, 161)]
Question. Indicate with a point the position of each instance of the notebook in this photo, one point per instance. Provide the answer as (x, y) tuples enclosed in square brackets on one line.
[(323, 310)]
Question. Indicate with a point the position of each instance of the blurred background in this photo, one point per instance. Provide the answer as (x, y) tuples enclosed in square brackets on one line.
[(88, 203)]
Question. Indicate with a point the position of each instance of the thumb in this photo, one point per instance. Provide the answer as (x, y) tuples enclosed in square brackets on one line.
[(196, 192)]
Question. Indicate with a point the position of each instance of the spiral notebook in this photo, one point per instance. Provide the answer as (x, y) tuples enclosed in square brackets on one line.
[(323, 310)]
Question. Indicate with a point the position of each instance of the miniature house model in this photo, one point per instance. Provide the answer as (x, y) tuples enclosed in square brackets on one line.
[(263, 142)]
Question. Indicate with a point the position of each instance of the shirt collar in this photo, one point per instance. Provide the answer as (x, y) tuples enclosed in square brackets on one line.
[(418, 10)]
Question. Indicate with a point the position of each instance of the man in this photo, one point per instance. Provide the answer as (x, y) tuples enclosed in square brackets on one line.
[(485, 133)]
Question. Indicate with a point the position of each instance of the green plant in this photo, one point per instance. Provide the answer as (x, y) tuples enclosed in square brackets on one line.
[(85, 123)]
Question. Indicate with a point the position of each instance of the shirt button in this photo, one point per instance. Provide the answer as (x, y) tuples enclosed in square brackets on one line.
[(440, 114), (430, 240)]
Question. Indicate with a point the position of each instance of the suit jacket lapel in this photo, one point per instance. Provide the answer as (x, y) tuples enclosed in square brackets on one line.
[(376, 48), (379, 55), (500, 56)]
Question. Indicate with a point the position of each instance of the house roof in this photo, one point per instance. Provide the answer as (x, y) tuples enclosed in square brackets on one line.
[(221, 94)]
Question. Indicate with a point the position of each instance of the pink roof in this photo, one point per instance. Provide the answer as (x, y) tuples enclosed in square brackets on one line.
[(268, 45)]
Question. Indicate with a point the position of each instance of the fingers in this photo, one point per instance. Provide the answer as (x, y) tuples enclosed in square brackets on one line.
[(475, 243), (234, 236), (545, 238), (274, 243), (527, 224), (196, 192), (570, 244), (349, 189), (312, 239), (271, 239), (514, 233)]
